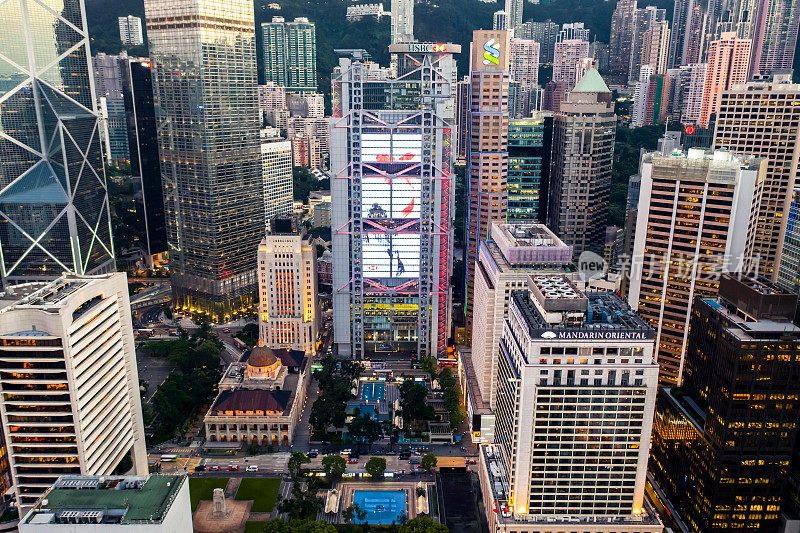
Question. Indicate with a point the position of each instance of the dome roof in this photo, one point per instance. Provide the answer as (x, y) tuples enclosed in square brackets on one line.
[(261, 356)]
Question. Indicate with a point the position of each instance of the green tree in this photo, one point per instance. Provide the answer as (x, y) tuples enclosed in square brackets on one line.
[(375, 467), (420, 491), (422, 524), (430, 365), (334, 466), (249, 334), (279, 525), (327, 411), (412, 401), (354, 513), (428, 462), (304, 503), (364, 430), (296, 462)]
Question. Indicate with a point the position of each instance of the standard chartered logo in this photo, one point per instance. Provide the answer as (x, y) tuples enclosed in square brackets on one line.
[(491, 53)]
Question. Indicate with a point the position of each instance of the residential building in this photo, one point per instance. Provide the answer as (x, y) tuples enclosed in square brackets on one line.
[(728, 62), (317, 128), (213, 189), (724, 440), (307, 152), (321, 215), (500, 20), (582, 157), (71, 400), (462, 120), (601, 53), (130, 30), (775, 36), (651, 98), (554, 93), (402, 27), (325, 268), (306, 105), (686, 84), (686, 33), (487, 167), (695, 220), (505, 260), (789, 268), (359, 11), (644, 21), (529, 147), (544, 33), (271, 97), (289, 51), (621, 40), (287, 266), (655, 46), (54, 212), (276, 170), (576, 378), (761, 119), (393, 198), (573, 31), (513, 9), (140, 117), (524, 69), (260, 400), (99, 504), (566, 59)]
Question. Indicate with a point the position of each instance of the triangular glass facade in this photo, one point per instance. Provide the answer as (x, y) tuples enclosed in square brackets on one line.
[(54, 212)]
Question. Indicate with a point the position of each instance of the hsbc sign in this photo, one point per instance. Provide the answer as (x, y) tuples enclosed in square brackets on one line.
[(425, 48)]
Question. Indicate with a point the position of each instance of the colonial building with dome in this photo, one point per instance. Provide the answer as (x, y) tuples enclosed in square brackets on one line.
[(260, 400)]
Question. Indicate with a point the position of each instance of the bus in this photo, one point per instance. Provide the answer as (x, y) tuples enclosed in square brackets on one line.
[(169, 457), (238, 344), (145, 332)]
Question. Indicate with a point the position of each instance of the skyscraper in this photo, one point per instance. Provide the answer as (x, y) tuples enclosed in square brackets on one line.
[(514, 12), (695, 220), (524, 70), (761, 119), (70, 402), (545, 34), (529, 146), (287, 277), (566, 60), (402, 21), (276, 169), (130, 31), (204, 83), (113, 124), (728, 61), (655, 46), (583, 153), (621, 40), (723, 443), (789, 268), (392, 202), (462, 120), (54, 212), (685, 15), (774, 36), (500, 20), (487, 168), (643, 21), (576, 391), (290, 53)]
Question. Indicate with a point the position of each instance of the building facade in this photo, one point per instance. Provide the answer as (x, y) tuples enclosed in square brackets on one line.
[(54, 211), (287, 265), (566, 61), (462, 120), (695, 220), (530, 142), (774, 36), (582, 157), (213, 190), (290, 53), (728, 64), (723, 442), (402, 28), (761, 119), (576, 378), (130, 31), (524, 70), (789, 268), (621, 37), (487, 167), (70, 402), (392, 203), (276, 169), (140, 118)]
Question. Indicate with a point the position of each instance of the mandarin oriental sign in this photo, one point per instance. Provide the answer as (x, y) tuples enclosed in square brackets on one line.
[(607, 335)]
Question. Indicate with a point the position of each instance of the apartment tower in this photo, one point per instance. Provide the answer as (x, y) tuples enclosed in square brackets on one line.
[(290, 53), (695, 220), (487, 168), (728, 62), (70, 399), (762, 119), (204, 83)]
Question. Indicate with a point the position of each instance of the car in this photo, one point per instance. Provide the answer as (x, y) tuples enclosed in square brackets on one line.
[(199, 468), (213, 468), (346, 451), (471, 461), (252, 468), (352, 460), (378, 452), (226, 330), (233, 467), (312, 454)]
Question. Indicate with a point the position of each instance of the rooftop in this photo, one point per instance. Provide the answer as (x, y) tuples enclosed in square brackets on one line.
[(530, 244), (591, 82), (251, 400), (107, 500)]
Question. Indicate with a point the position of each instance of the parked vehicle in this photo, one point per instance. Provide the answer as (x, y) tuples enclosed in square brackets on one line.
[(233, 467), (252, 468)]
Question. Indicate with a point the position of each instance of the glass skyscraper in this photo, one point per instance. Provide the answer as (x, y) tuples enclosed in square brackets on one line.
[(529, 144), (54, 213), (204, 82)]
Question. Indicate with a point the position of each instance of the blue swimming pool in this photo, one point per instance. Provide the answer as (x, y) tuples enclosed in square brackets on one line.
[(371, 392), (382, 506)]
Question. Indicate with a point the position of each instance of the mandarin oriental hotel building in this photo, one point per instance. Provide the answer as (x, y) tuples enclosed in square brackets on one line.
[(574, 408), (393, 202)]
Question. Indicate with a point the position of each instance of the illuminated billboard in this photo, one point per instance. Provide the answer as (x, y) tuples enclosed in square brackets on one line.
[(391, 148), (390, 256), (390, 198)]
